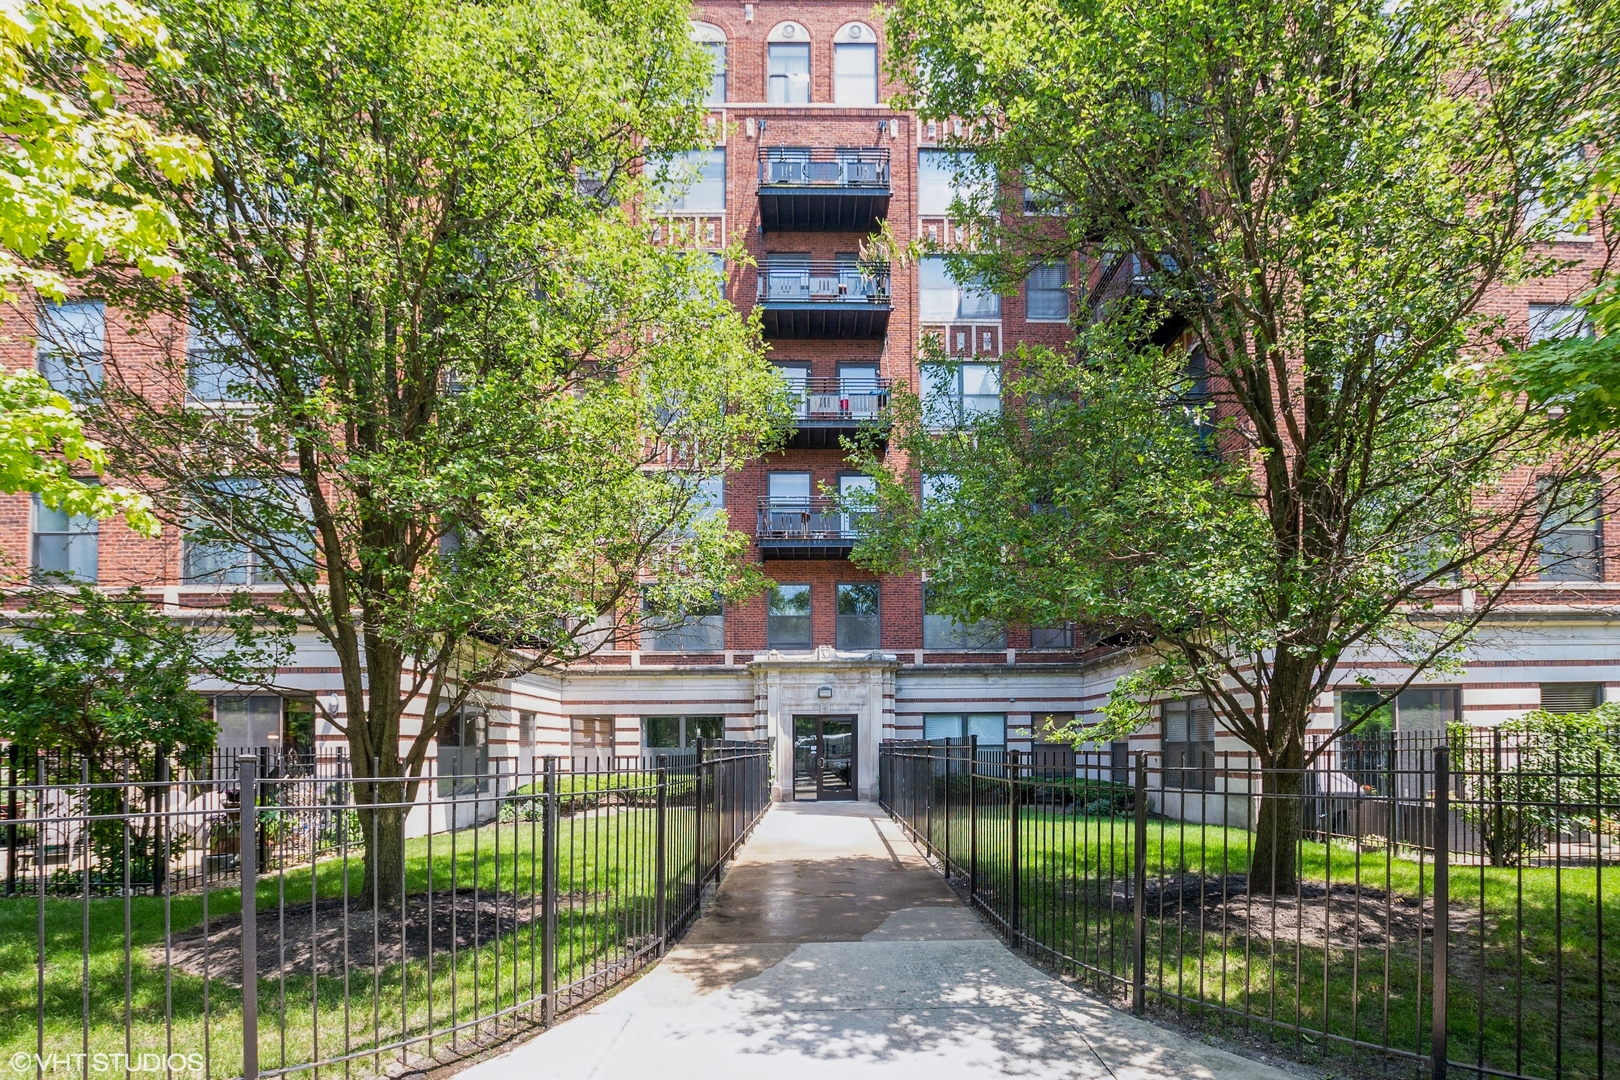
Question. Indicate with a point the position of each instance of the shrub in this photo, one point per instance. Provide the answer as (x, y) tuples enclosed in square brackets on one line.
[(1559, 774)]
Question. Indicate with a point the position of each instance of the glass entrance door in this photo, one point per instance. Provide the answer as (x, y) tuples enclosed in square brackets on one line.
[(824, 757)]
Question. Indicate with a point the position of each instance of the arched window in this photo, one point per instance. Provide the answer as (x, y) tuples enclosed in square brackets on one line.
[(787, 77), (713, 41), (855, 79)]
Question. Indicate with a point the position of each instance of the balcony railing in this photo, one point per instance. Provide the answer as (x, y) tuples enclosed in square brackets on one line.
[(829, 410), (823, 188), (1131, 276), (824, 299), (824, 166), (806, 528)]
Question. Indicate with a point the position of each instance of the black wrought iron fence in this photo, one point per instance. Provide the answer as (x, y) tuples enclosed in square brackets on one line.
[(514, 897), (1428, 907)]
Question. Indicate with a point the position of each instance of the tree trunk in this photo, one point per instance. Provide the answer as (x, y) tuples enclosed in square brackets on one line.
[(382, 832), (1274, 866)]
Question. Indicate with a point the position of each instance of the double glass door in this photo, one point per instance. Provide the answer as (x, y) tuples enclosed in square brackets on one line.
[(823, 757)]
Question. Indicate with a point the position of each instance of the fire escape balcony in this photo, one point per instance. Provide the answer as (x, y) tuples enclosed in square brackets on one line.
[(1131, 276), (813, 528), (802, 299), (830, 410), (823, 188)]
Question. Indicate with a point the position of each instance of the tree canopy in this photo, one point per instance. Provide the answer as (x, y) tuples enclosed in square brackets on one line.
[(1266, 450), (427, 373)]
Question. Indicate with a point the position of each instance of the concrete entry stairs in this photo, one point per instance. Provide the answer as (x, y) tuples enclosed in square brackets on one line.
[(833, 950)]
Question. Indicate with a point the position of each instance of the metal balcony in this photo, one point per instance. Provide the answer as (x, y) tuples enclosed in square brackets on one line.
[(823, 188), (813, 528), (830, 410), (800, 299), (1130, 276)]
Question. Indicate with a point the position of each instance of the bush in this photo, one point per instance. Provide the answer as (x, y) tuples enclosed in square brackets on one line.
[(1558, 771)]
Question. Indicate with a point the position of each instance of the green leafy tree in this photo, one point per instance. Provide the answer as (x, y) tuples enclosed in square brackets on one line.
[(105, 679), (1308, 206), (68, 141), (428, 374)]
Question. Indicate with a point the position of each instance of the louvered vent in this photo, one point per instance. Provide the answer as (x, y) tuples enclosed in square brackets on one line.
[(1570, 697)]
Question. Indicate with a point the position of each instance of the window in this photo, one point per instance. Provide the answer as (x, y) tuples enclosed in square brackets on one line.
[(701, 628), (856, 494), (855, 79), (678, 732), (938, 489), (797, 376), (941, 298), (71, 348), (247, 721), (709, 499), (789, 487), (1421, 710), (944, 176), (1572, 533), (859, 623), (1047, 293), (787, 626), (1039, 198), (1554, 322), (1577, 697), (525, 729), (991, 728), (712, 40), (63, 544), (1051, 637), (956, 392), (691, 182), (216, 367), (274, 515), (464, 752), (1555, 220), (1189, 744), (591, 735), (941, 631), (788, 82)]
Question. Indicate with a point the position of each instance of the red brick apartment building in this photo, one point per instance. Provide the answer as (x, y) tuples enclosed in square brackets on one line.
[(809, 161)]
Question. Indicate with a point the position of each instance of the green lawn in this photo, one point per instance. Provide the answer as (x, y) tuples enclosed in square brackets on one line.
[(605, 880), (1507, 929)]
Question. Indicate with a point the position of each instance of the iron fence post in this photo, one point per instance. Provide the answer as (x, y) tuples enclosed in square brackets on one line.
[(248, 777), (1498, 821), (1442, 899), (659, 863), (1139, 889), (698, 873), (1015, 921), (11, 819), (973, 817), (548, 895), (946, 859)]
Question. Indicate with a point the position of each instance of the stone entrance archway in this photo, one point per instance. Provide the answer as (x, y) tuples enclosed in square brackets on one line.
[(825, 683)]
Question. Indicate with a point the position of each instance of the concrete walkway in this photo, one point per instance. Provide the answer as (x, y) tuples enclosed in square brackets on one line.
[(833, 951)]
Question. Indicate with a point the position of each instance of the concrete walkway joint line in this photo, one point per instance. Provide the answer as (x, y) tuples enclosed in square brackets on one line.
[(832, 950)]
